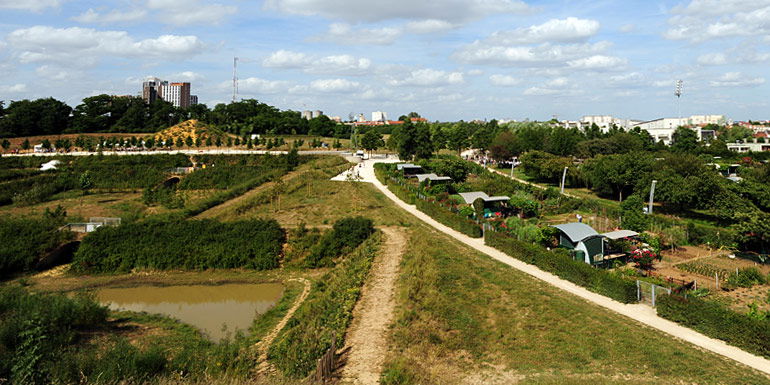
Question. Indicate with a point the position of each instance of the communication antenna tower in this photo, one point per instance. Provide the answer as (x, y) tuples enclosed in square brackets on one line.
[(678, 92), (235, 79)]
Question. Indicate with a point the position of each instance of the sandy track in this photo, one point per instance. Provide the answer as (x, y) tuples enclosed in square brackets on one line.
[(264, 344), (367, 336)]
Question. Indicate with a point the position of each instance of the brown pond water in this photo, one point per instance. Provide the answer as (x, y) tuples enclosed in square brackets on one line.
[(208, 308)]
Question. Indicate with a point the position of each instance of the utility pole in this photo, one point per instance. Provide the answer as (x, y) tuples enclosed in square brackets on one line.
[(678, 93), (563, 179), (235, 79), (652, 195), (513, 162)]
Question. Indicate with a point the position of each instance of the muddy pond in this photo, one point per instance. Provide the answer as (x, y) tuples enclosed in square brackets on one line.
[(216, 310)]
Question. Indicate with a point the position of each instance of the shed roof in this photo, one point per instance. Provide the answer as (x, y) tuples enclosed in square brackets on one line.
[(432, 177), (577, 231), (402, 166), (470, 197), (617, 234)]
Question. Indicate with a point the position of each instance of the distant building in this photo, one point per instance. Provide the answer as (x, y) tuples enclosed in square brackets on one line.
[(317, 113), (193, 100), (361, 118), (307, 114), (336, 119), (177, 94), (152, 89), (379, 116)]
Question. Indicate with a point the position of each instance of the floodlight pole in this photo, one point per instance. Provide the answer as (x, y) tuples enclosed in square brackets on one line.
[(652, 195), (513, 162), (563, 179)]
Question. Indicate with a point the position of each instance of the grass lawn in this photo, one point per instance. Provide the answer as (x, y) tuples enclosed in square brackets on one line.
[(464, 317)]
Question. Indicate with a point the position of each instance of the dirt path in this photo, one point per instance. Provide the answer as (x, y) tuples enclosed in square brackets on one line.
[(263, 345), (638, 312), (368, 333), (221, 210)]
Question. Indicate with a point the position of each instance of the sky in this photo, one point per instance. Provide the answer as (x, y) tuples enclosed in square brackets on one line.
[(446, 59)]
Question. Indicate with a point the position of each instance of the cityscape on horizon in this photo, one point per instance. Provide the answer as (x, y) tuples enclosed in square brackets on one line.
[(502, 59)]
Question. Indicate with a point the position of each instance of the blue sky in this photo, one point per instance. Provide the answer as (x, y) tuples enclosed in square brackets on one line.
[(447, 59)]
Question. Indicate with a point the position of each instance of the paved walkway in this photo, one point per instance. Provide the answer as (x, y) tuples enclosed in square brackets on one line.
[(638, 312)]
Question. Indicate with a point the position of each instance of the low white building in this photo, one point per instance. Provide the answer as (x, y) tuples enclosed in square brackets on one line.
[(379, 116), (663, 129)]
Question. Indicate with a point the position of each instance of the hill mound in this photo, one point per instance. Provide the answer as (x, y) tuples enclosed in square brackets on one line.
[(192, 129)]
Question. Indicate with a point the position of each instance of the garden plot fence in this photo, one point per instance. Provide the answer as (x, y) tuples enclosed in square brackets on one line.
[(647, 293)]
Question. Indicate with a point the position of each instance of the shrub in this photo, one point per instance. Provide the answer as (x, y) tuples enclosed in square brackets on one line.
[(747, 277), (717, 321), (182, 244), (24, 241), (346, 234), (582, 274), (325, 314), (448, 218)]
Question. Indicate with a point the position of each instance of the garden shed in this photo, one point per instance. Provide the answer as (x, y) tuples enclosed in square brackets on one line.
[(586, 241), (470, 197), (409, 169), (433, 178)]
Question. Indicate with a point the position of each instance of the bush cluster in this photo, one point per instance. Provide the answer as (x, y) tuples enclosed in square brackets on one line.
[(180, 244), (582, 274), (35, 328), (24, 241), (448, 218), (345, 235), (325, 314), (717, 321)]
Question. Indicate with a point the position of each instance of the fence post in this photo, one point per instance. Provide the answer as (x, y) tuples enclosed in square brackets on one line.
[(653, 295), (638, 291)]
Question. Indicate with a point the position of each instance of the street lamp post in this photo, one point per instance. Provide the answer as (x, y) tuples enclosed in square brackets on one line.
[(652, 195), (563, 179), (513, 162)]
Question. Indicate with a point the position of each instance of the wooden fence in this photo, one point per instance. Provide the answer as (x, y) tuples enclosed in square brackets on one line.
[(326, 365)]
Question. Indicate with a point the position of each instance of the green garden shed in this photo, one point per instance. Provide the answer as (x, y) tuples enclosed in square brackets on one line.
[(582, 238)]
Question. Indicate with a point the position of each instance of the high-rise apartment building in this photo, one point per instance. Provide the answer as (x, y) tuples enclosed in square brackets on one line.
[(193, 100), (177, 94), (152, 88), (379, 116)]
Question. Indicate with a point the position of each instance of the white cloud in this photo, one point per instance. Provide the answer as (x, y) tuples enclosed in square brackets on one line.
[(92, 17), (663, 83), (544, 54), (378, 10), (16, 88), (703, 20), (712, 59), (743, 54), (257, 86), (29, 5), (342, 33), (568, 30), (598, 62), (475, 72), (627, 28), (286, 59), (187, 76), (540, 91), (186, 12), (454, 97), (332, 64), (334, 85), (737, 79), (83, 46), (54, 73), (428, 26), (504, 80), (429, 78)]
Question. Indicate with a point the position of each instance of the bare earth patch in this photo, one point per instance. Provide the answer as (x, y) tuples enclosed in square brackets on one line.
[(367, 337)]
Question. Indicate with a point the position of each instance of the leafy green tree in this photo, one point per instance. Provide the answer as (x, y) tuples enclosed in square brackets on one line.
[(563, 141), (632, 215), (544, 166), (372, 140), (46, 144), (424, 146), (85, 182), (6, 144), (188, 141), (617, 175), (684, 140), (457, 137), (406, 141), (179, 142), (26, 145)]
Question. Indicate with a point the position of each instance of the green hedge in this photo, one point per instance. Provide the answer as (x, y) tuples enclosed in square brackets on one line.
[(24, 241), (717, 321), (324, 315), (594, 279), (202, 244), (346, 235), (448, 218)]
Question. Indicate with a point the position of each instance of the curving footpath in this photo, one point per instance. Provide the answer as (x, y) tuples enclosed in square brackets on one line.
[(638, 312)]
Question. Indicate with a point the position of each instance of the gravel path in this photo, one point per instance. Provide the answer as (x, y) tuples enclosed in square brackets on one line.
[(368, 333), (637, 312)]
